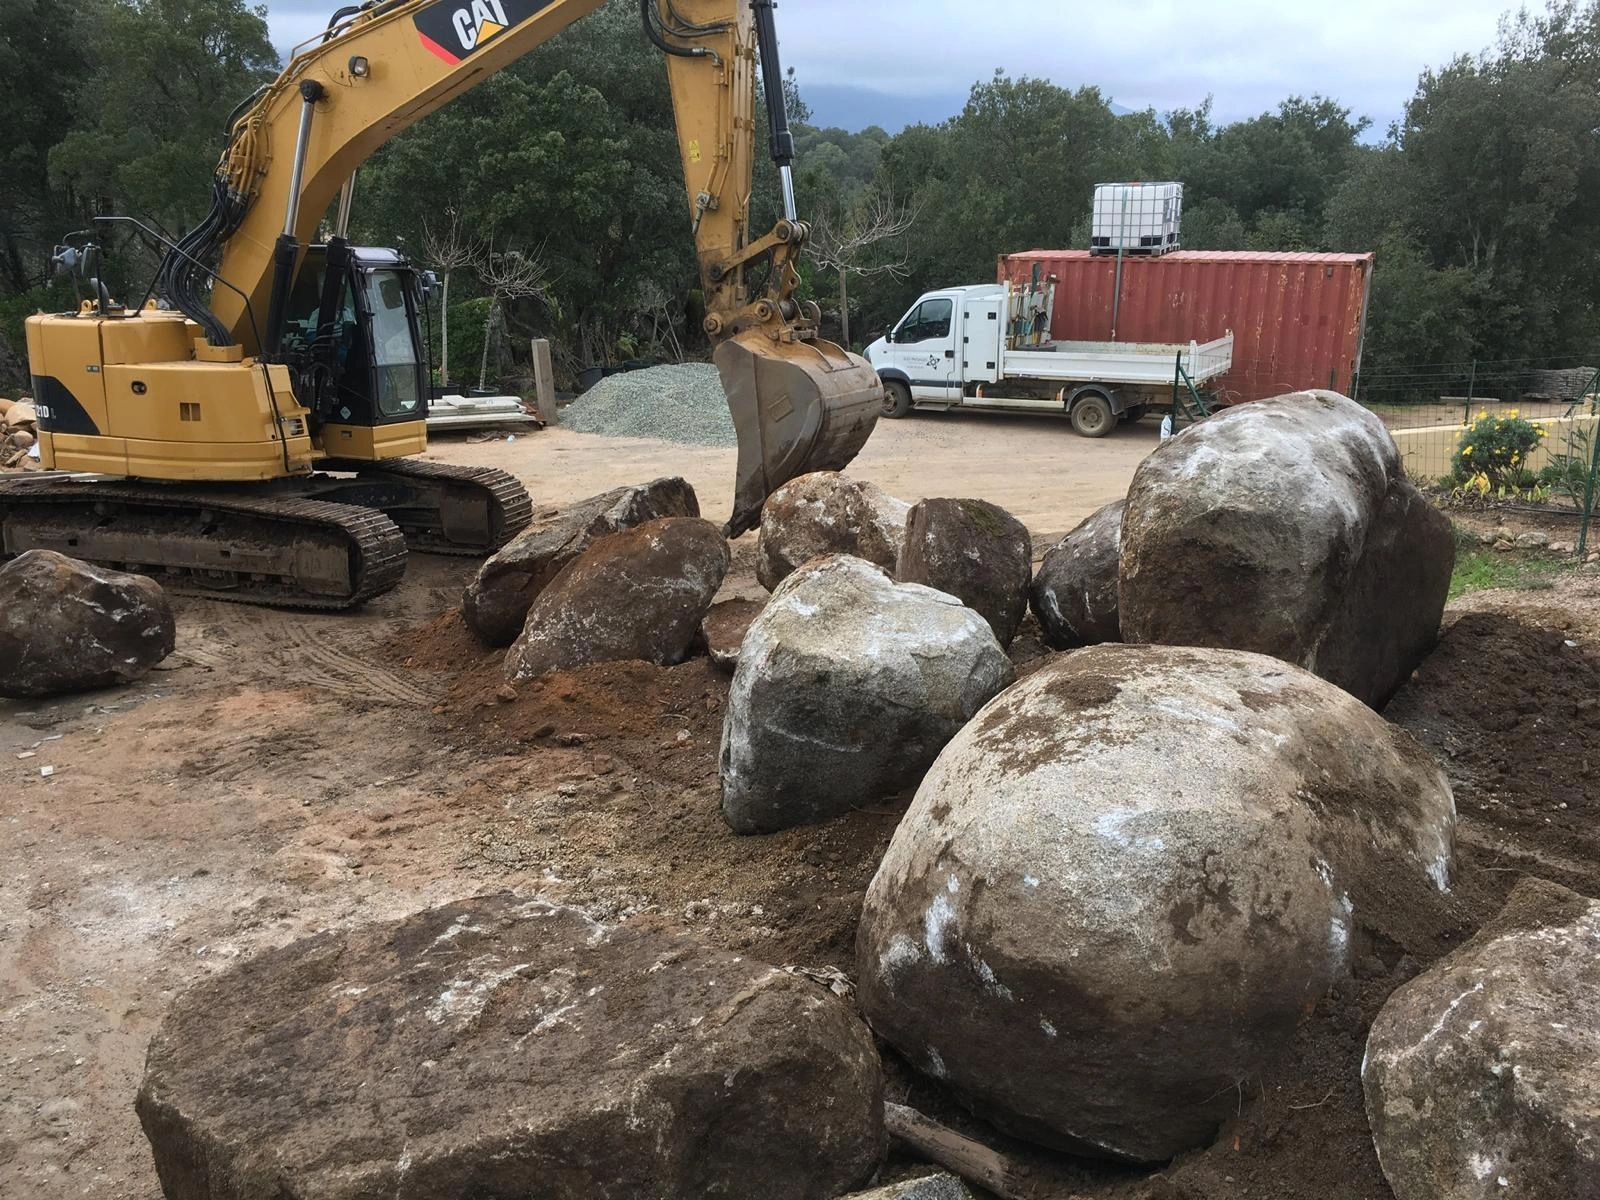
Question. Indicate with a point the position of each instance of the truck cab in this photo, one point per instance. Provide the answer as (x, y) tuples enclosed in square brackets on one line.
[(923, 352)]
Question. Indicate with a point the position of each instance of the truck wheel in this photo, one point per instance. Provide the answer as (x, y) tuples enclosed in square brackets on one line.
[(896, 399), (1092, 417)]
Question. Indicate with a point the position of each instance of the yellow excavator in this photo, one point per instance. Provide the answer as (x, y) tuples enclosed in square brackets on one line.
[(249, 430)]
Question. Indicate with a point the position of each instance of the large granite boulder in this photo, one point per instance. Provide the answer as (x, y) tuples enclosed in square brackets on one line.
[(1124, 884), (827, 513), (497, 600), (977, 552), (1482, 1075), (66, 626), (639, 594), (848, 686), (502, 1047), (1287, 526), (1074, 595)]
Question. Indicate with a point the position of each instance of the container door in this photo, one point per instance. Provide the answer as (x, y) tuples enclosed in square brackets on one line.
[(923, 345)]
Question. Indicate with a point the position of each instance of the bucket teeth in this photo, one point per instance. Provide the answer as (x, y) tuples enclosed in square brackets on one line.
[(797, 407)]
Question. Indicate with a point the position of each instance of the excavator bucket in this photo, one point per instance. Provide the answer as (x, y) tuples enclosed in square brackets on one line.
[(797, 407)]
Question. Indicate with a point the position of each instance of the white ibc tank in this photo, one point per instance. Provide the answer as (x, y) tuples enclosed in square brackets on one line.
[(1136, 218)]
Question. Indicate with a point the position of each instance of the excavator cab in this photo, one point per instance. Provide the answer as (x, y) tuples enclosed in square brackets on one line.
[(351, 336)]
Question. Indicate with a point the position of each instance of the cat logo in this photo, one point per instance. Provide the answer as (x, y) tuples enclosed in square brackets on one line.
[(455, 29)]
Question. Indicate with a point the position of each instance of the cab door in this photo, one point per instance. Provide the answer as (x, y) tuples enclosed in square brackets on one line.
[(923, 345)]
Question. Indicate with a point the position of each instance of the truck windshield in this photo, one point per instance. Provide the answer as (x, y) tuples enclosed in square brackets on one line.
[(394, 348), (928, 321)]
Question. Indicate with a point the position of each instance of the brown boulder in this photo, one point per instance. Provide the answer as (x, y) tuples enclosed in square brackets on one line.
[(67, 626), (1287, 527), (1074, 595), (724, 628), (502, 1047), (827, 513), (639, 594), (1482, 1075), (498, 599), (1124, 884), (975, 551)]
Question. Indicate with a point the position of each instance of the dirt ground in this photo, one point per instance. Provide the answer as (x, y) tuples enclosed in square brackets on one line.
[(1034, 467), (285, 774)]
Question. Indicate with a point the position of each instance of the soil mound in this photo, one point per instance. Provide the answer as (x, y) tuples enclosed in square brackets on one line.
[(1510, 705)]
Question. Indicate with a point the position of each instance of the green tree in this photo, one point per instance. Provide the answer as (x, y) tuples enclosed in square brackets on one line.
[(164, 76), (43, 61)]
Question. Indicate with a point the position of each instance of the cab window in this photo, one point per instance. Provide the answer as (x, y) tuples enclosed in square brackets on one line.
[(929, 321)]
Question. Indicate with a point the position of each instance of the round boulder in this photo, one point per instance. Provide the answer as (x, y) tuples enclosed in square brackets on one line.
[(1074, 594), (1482, 1075), (497, 600), (1122, 886), (67, 626), (848, 686), (827, 513), (977, 552), (1287, 526), (639, 594), (503, 1047)]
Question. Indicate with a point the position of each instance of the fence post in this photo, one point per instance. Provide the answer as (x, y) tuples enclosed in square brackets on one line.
[(1588, 489), (1472, 384)]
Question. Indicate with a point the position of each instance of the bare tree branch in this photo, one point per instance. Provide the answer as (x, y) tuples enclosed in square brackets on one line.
[(846, 243), (447, 249), (509, 275)]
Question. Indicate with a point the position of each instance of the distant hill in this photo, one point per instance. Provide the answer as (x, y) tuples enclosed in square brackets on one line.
[(854, 109)]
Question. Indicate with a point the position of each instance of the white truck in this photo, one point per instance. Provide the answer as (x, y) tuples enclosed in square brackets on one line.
[(987, 346)]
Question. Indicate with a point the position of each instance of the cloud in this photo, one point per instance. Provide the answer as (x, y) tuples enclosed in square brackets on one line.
[(1248, 54)]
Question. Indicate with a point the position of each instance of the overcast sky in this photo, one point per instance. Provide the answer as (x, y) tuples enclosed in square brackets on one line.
[(1248, 54)]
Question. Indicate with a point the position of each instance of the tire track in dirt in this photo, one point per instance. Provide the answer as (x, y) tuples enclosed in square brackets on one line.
[(303, 650)]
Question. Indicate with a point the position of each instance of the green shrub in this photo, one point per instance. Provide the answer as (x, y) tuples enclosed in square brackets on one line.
[(1497, 446)]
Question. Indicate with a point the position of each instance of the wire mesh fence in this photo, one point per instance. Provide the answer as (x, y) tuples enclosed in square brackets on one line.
[(1517, 434)]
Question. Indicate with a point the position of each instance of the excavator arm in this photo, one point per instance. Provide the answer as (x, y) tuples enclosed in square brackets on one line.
[(799, 403)]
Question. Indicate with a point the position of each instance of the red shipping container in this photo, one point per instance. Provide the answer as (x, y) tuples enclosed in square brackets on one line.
[(1298, 320)]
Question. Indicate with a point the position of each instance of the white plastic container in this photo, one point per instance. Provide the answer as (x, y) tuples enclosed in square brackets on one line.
[(1136, 218)]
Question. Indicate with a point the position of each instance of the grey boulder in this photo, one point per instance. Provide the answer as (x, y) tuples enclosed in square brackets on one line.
[(67, 626), (848, 686), (827, 513), (1124, 884), (497, 600), (504, 1047), (1074, 595), (1287, 526), (977, 552), (1482, 1075), (928, 1187), (639, 594)]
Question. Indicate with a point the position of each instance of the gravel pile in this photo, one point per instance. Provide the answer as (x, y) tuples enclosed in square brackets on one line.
[(682, 403)]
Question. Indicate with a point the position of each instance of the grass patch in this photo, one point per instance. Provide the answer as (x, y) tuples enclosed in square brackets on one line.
[(1479, 570)]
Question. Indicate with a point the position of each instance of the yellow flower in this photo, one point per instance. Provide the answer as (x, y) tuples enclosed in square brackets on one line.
[(1466, 451), (1483, 416), (1515, 459), (1514, 413)]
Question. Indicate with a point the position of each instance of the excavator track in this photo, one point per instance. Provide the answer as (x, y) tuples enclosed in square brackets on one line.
[(441, 508), (287, 552)]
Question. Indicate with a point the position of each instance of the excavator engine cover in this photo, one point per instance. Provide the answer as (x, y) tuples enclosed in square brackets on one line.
[(798, 407)]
